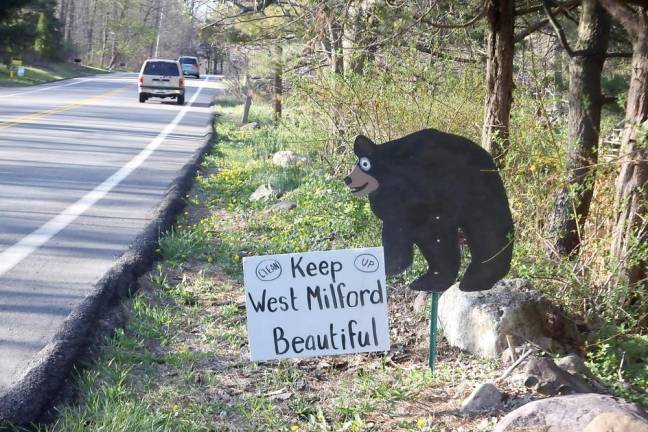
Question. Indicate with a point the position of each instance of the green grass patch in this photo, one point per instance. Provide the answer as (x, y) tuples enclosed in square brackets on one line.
[(42, 74)]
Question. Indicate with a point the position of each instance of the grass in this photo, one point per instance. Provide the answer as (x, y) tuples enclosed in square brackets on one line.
[(42, 74), (181, 362)]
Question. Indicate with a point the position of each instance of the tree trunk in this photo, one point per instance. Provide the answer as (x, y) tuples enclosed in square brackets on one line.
[(92, 14), (158, 20), (631, 198), (104, 40), (499, 77), (70, 20), (357, 37), (335, 36), (113, 52), (248, 99), (630, 230), (63, 17), (278, 81), (585, 103)]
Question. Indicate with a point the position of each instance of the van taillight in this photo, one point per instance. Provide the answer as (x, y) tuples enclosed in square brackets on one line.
[(181, 82), (141, 79)]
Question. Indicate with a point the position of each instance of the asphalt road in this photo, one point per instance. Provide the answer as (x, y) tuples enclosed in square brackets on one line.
[(83, 165)]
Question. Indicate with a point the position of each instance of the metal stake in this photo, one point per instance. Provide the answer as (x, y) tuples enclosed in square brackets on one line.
[(434, 309)]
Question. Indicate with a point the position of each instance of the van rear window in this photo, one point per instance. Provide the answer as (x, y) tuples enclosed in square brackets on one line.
[(188, 60), (161, 68)]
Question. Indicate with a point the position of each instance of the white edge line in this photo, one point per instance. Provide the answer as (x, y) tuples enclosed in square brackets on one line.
[(13, 255)]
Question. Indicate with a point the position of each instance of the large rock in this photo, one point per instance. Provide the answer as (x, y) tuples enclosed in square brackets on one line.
[(615, 422), (479, 322), (287, 158), (572, 413)]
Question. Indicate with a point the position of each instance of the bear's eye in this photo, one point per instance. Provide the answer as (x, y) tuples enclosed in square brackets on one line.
[(364, 164)]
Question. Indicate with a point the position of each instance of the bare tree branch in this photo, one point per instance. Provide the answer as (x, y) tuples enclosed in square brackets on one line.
[(424, 49), (471, 21), (532, 28), (567, 5), (259, 5), (559, 31), (619, 55)]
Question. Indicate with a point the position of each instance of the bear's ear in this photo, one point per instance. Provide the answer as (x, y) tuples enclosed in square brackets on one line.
[(363, 146)]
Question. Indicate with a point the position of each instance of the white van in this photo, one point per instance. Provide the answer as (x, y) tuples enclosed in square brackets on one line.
[(190, 65), (162, 79)]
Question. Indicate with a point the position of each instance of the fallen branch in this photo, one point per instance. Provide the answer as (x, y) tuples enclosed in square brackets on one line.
[(511, 368)]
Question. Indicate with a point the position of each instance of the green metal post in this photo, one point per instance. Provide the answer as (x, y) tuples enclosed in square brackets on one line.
[(434, 309)]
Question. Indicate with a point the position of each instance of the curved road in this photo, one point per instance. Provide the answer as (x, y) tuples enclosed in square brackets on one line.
[(82, 167)]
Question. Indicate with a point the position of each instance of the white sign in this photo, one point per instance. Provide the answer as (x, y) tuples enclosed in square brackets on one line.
[(316, 303)]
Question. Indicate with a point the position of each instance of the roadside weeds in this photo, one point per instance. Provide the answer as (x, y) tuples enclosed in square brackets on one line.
[(44, 74), (181, 362)]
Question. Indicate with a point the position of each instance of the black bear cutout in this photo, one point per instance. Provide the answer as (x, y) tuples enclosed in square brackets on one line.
[(425, 187)]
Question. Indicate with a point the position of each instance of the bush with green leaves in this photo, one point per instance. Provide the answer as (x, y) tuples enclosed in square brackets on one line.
[(620, 360)]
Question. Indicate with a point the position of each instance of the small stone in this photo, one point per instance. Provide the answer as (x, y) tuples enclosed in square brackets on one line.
[(282, 206), (287, 158), (251, 125), (263, 192), (573, 363), (486, 397)]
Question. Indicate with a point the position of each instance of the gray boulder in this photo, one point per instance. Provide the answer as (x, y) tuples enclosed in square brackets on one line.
[(263, 192), (479, 322), (486, 397), (287, 158), (616, 422), (572, 413)]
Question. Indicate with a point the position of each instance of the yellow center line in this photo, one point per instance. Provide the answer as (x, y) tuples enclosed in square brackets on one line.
[(29, 118)]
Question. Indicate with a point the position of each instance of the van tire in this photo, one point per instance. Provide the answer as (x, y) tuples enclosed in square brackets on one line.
[(181, 100), (142, 98)]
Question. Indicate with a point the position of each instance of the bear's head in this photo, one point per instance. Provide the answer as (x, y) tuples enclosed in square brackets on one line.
[(361, 180)]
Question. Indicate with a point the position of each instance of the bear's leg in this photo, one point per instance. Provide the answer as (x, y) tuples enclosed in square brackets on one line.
[(491, 248), (399, 249), (441, 251)]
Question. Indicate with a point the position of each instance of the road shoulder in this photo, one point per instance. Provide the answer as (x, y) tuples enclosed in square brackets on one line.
[(33, 392)]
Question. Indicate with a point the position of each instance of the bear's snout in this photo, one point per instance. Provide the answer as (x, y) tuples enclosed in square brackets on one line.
[(360, 182)]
